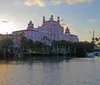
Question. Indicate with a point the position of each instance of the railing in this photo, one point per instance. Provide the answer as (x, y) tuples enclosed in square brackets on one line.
[(44, 51)]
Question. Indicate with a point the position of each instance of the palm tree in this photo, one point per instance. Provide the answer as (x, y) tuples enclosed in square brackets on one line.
[(97, 41), (4, 46), (6, 42), (30, 45), (23, 42)]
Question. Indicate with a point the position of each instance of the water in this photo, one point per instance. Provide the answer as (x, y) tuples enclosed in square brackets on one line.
[(48, 72)]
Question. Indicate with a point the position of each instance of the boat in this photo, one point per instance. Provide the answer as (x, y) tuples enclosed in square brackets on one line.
[(91, 55), (96, 52)]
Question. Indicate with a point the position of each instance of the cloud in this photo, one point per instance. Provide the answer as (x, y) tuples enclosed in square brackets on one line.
[(40, 3), (72, 28), (77, 1), (66, 25), (57, 2), (92, 20), (71, 2)]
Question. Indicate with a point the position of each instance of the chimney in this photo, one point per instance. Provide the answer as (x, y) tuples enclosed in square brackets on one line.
[(58, 20), (43, 20)]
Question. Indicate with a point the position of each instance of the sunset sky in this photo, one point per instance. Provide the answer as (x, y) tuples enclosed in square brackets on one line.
[(81, 16)]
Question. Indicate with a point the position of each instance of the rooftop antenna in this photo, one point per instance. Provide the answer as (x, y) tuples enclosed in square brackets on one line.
[(93, 36)]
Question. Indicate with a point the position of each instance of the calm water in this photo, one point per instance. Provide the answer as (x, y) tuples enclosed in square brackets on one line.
[(44, 72)]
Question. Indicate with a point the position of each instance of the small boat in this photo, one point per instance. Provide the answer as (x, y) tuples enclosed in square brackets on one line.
[(91, 55), (97, 51)]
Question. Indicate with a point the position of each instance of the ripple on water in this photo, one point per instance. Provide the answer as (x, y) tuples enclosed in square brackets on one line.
[(75, 72)]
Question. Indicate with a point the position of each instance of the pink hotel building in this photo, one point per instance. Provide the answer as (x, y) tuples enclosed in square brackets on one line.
[(49, 31)]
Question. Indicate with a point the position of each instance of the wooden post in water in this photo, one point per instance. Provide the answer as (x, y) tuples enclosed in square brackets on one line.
[(4, 53)]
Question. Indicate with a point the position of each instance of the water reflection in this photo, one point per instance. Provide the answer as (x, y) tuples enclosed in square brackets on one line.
[(48, 71)]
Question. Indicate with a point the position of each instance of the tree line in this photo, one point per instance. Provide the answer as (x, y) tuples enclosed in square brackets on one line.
[(27, 45)]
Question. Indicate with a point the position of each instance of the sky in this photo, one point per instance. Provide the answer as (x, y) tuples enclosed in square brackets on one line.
[(81, 16)]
